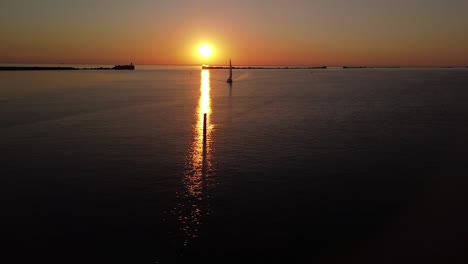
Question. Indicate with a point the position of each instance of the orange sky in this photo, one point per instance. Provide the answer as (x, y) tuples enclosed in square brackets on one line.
[(300, 32)]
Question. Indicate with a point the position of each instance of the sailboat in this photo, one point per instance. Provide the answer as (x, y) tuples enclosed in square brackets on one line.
[(229, 80)]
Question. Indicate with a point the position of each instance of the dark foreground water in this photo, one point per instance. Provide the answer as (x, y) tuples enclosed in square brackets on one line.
[(298, 166)]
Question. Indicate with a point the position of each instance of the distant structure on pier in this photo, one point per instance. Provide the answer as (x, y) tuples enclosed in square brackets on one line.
[(124, 67)]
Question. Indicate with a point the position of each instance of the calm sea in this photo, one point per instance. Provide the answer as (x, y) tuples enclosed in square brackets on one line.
[(322, 166)]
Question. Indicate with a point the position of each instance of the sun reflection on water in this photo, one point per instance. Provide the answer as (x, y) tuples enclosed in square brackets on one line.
[(194, 206)]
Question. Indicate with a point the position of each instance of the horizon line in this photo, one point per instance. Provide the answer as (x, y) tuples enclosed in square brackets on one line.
[(266, 65)]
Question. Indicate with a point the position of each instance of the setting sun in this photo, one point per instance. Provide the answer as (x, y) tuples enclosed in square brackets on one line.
[(205, 51)]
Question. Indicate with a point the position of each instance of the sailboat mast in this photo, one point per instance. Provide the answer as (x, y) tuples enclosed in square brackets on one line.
[(229, 80)]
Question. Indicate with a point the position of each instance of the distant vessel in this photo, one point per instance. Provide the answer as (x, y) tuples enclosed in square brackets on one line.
[(229, 80), (124, 67)]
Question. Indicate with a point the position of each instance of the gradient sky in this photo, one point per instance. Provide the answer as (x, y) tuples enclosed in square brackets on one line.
[(252, 32)]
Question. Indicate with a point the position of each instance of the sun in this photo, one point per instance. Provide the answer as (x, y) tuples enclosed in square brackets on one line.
[(205, 51)]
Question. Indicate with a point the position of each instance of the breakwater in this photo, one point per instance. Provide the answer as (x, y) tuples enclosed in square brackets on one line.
[(53, 68), (206, 67)]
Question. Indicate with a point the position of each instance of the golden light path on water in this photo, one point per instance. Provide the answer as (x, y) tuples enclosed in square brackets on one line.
[(194, 205), (200, 149)]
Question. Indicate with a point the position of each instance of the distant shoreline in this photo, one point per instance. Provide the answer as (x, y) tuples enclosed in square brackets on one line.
[(371, 67), (204, 67), (59, 68), (34, 68)]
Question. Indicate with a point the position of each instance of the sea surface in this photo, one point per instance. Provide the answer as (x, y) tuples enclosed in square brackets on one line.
[(294, 166)]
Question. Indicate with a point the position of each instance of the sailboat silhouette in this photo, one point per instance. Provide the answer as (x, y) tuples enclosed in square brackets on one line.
[(229, 80)]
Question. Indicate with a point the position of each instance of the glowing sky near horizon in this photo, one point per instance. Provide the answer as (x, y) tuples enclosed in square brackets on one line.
[(275, 32)]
